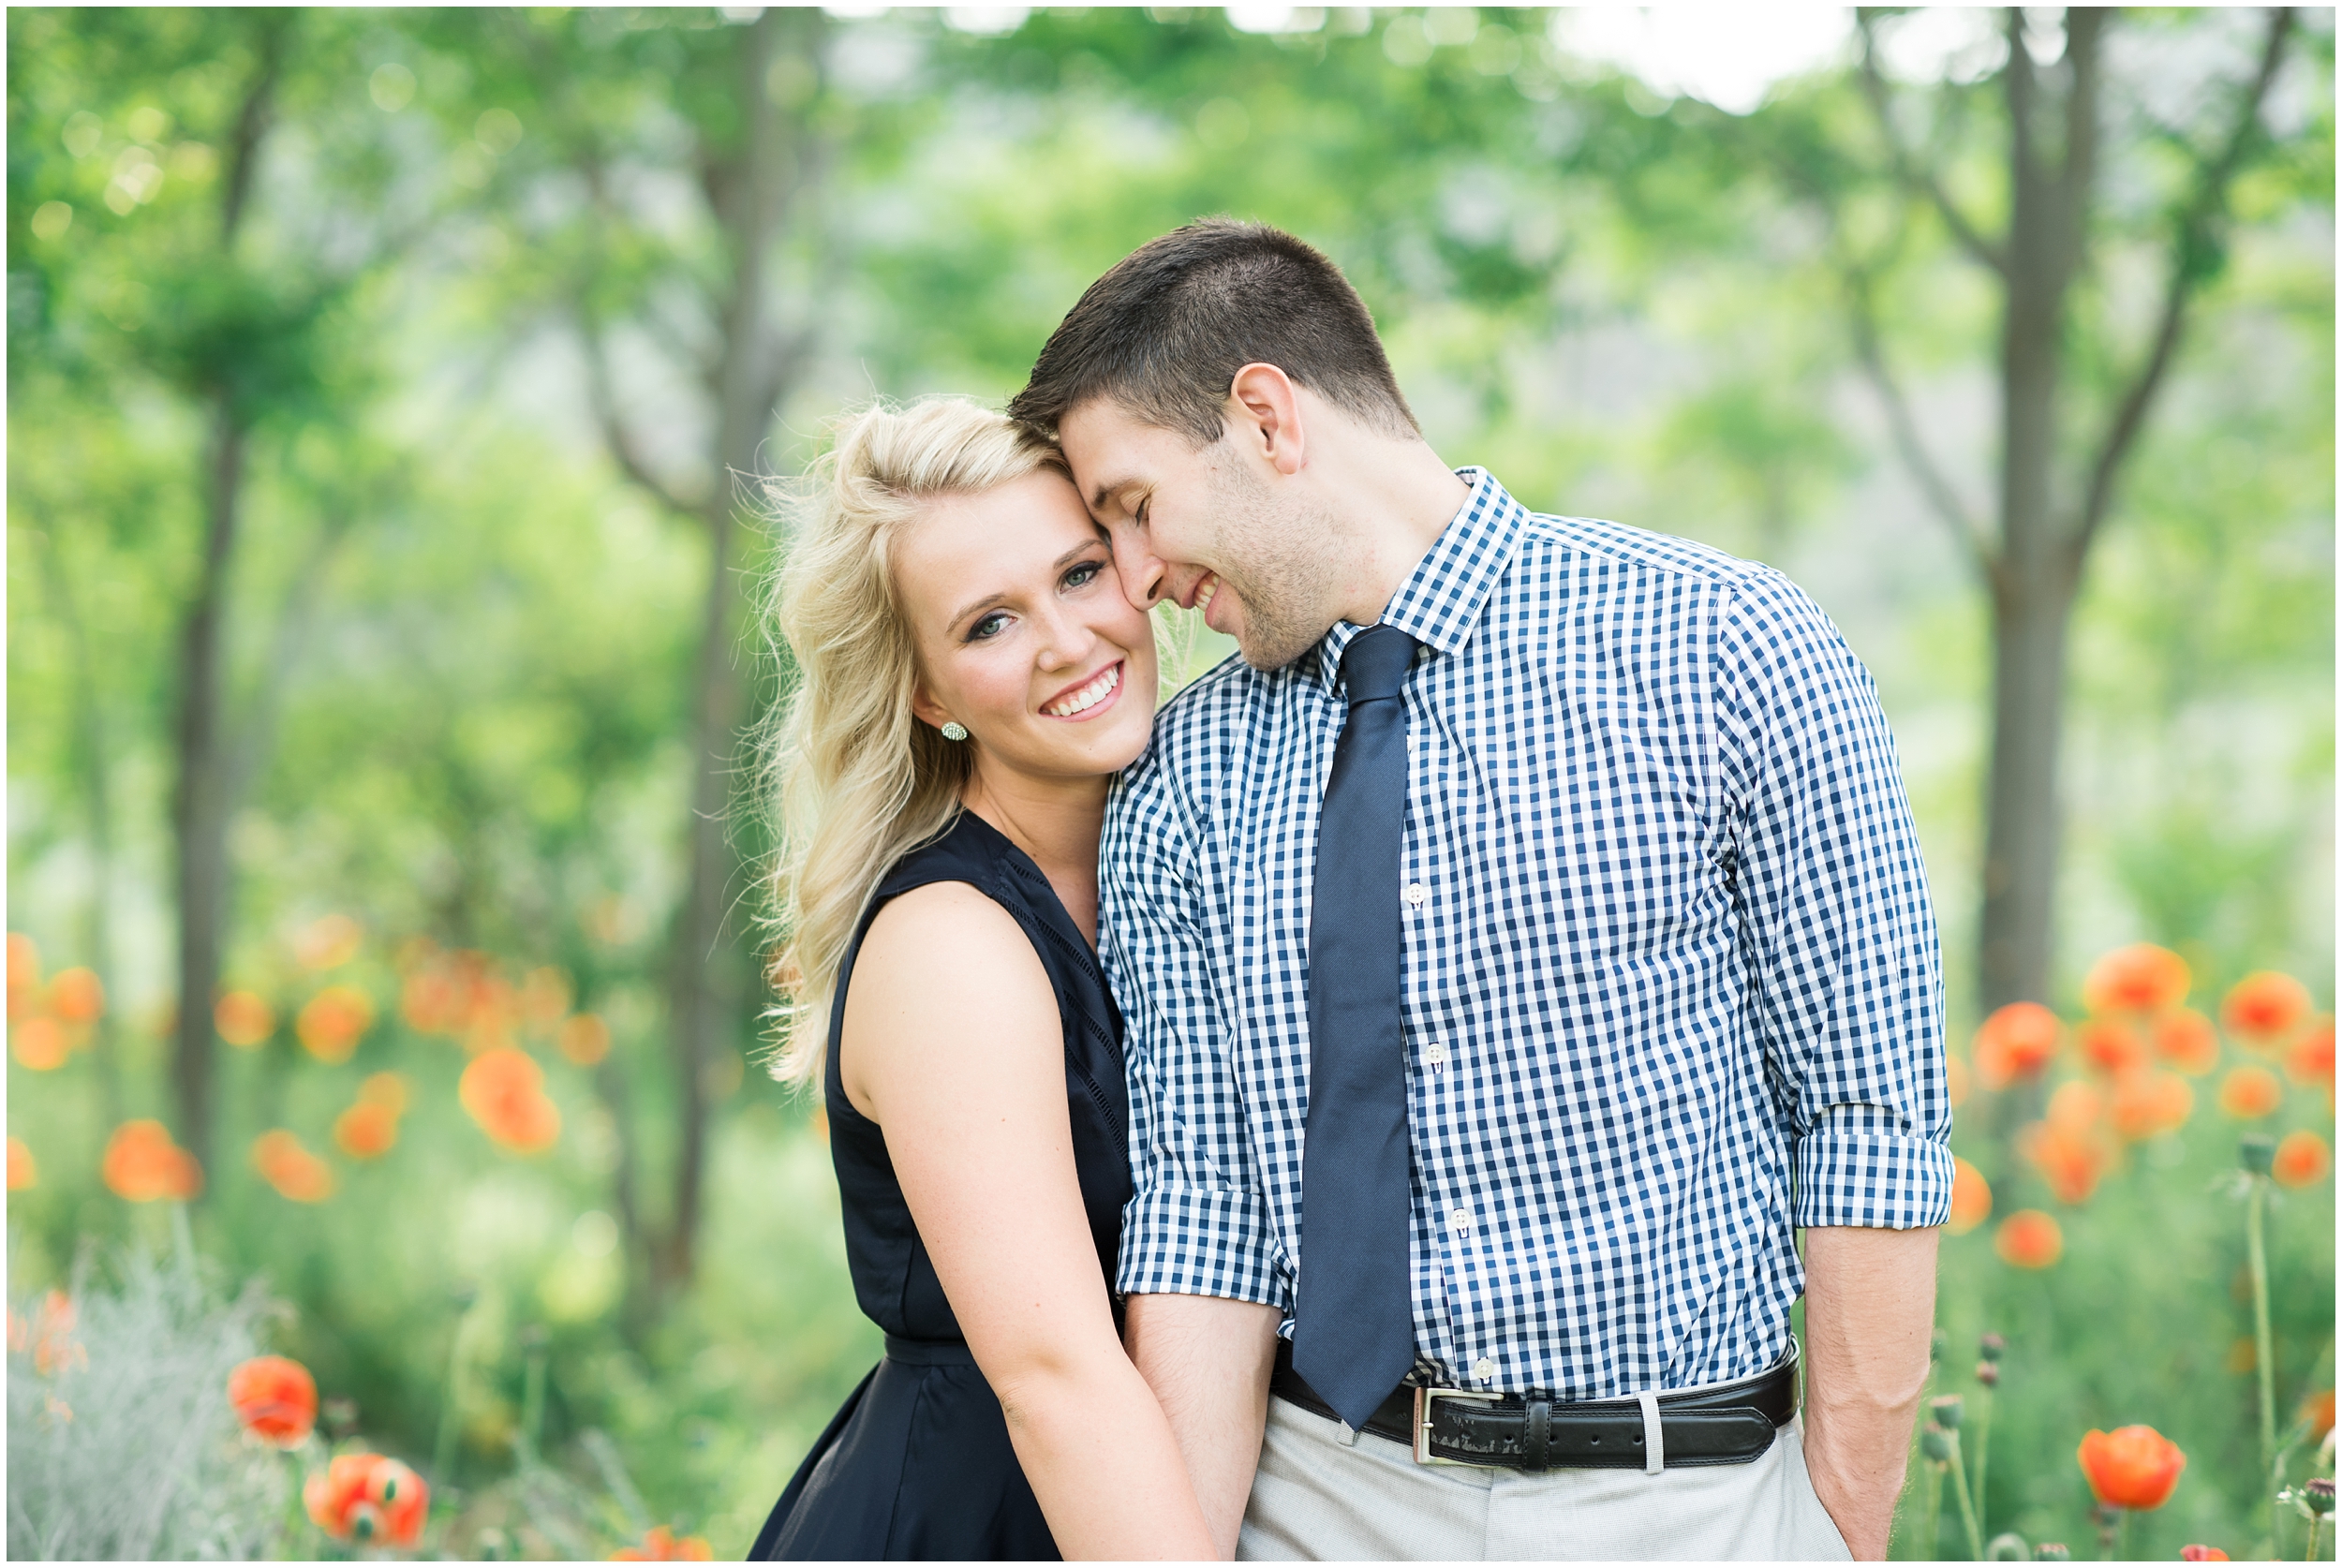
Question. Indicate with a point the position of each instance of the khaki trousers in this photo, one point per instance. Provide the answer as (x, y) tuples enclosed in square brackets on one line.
[(1318, 1498)]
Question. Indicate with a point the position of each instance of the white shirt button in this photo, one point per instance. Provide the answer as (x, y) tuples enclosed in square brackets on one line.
[(1416, 894), (1436, 1053), (1460, 1221), (1484, 1369)]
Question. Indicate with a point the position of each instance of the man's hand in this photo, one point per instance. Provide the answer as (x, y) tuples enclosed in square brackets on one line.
[(1208, 1359), (1870, 1307)]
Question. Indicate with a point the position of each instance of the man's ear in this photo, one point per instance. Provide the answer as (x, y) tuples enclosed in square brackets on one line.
[(1265, 417)]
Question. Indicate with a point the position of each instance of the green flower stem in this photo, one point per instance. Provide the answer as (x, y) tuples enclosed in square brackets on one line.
[(1932, 1489), (2265, 1356), (1983, 1440), (443, 1451), (1967, 1503)]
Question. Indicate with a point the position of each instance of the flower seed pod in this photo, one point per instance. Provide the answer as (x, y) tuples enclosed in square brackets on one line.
[(2317, 1491), (2052, 1551), (2256, 1152), (1944, 1412), (1988, 1374), (1992, 1347), (1936, 1445)]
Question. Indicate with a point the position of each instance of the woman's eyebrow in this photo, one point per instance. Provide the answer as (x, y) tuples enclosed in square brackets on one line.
[(991, 598)]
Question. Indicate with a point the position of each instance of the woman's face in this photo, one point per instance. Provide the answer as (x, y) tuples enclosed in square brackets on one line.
[(1023, 632)]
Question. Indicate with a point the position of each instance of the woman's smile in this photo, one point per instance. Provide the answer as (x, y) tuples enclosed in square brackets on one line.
[(1089, 698)]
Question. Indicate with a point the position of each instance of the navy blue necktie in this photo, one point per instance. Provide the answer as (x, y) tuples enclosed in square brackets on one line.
[(1354, 1313)]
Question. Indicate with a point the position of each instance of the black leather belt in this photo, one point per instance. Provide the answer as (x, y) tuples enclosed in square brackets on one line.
[(1725, 1424)]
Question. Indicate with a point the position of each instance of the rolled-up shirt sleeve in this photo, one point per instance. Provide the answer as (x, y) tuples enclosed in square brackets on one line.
[(1197, 1223), (1839, 932)]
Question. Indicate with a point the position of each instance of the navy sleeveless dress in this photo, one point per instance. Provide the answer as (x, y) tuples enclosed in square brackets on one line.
[(917, 1464)]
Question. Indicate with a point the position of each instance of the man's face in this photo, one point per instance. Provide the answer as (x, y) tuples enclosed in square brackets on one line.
[(1217, 528)]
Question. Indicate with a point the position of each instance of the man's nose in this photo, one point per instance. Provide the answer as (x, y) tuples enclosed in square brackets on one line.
[(1145, 578)]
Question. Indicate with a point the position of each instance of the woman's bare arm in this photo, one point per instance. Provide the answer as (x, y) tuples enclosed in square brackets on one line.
[(954, 1046)]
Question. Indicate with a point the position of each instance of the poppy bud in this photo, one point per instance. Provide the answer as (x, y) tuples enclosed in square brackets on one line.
[(2008, 1547), (2052, 1551), (2317, 1491), (2256, 1152), (1993, 1347), (1944, 1412), (1988, 1374), (1936, 1445), (1936, 1342)]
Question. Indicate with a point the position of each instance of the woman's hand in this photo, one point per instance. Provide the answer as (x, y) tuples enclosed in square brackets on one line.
[(953, 1046)]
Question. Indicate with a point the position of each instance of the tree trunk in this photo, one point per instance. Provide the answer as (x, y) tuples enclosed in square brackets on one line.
[(703, 983), (201, 806), (203, 796), (2035, 576)]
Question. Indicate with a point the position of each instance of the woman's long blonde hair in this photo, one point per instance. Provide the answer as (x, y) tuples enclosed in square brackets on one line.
[(853, 779)]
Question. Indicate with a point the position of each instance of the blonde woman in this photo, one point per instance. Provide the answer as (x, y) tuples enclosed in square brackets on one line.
[(972, 677)]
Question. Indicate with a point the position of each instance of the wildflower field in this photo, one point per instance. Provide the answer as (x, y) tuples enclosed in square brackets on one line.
[(392, 1170)]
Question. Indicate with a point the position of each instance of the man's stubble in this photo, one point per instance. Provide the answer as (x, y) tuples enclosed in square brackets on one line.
[(1280, 561)]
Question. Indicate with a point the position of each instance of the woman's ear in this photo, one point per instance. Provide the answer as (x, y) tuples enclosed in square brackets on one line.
[(925, 708)]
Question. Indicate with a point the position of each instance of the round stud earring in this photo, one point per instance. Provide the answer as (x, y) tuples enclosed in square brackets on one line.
[(955, 731)]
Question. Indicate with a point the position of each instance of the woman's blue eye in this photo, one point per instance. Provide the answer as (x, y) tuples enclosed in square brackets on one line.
[(1083, 574), (989, 625)]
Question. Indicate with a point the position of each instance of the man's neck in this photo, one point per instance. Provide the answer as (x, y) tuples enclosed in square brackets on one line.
[(1395, 499)]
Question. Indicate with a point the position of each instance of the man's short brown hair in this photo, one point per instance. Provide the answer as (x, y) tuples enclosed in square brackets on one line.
[(1165, 332)]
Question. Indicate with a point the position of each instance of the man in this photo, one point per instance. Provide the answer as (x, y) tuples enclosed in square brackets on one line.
[(1518, 947)]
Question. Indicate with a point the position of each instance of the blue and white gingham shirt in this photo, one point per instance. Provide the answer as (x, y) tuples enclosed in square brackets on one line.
[(1671, 985)]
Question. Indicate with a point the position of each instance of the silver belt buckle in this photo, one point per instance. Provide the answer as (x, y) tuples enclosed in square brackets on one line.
[(1423, 1399)]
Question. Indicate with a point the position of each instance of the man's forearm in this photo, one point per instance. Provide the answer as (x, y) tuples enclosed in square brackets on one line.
[(1870, 1307), (1208, 1359)]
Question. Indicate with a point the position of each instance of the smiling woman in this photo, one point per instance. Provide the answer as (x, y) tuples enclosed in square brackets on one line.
[(973, 676)]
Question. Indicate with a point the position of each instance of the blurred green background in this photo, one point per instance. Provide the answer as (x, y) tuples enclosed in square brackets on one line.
[(390, 397)]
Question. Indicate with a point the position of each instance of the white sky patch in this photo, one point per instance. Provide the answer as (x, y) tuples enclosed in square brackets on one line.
[(1728, 55)]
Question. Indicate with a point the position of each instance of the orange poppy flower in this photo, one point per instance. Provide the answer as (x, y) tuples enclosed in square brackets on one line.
[(328, 943), (54, 1348), (584, 1039), (2301, 1158), (661, 1545), (77, 996), (2318, 1409), (2263, 1010), (2202, 1554), (275, 1398), (368, 1497), (2311, 1059), (1971, 1197), (2029, 1239), (2072, 1160), (332, 1022), (2186, 1039), (2145, 1102), (386, 1089), (432, 999), (2248, 1093), (544, 998), (503, 1088), (2142, 978), (2131, 1467), (23, 977), (2109, 1044), (2016, 1042), (293, 1170), (39, 1043), (366, 1131), (244, 1019), (22, 1173), (143, 1164)]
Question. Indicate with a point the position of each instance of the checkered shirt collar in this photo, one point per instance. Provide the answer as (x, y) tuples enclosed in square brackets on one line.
[(1440, 603)]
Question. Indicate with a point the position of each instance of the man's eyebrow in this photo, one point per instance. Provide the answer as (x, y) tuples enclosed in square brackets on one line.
[(1105, 490)]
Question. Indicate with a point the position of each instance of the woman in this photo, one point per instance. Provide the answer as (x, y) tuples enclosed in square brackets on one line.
[(971, 679)]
